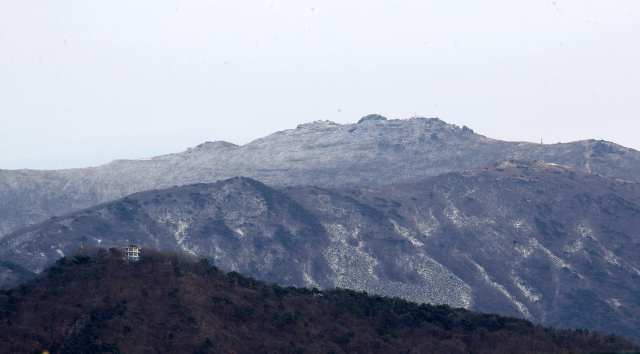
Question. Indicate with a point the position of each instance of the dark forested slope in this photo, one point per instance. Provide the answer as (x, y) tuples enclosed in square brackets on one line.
[(96, 302)]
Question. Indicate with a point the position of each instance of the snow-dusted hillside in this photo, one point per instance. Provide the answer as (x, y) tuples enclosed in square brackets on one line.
[(375, 151), (522, 238)]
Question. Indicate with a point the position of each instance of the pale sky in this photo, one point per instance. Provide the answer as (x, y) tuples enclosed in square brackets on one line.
[(85, 82)]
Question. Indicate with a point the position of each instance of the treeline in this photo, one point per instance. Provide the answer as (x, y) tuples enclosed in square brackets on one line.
[(96, 302)]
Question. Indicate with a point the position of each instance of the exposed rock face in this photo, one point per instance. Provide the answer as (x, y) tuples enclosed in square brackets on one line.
[(523, 238), (375, 151)]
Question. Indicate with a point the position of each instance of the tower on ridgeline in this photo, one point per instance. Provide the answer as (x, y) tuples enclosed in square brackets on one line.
[(586, 157), (132, 253)]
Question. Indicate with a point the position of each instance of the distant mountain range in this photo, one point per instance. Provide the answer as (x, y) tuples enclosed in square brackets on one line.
[(375, 151), (544, 242)]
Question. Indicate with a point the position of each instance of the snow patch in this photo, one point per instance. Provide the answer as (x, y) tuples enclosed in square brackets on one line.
[(525, 251), (557, 261), (611, 258), (521, 307), (587, 232), (460, 220), (190, 251), (308, 280), (428, 226), (444, 285), (526, 290), (578, 246), (614, 302), (180, 234), (354, 267), (406, 233)]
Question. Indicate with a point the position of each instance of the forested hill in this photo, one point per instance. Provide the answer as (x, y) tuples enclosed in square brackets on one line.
[(96, 302)]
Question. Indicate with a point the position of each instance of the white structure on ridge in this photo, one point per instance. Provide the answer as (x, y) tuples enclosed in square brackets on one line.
[(132, 253)]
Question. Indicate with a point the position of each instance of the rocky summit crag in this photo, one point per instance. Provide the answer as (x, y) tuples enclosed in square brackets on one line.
[(375, 151), (538, 241)]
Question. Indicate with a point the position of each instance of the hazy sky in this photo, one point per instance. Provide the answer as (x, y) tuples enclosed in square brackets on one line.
[(85, 82)]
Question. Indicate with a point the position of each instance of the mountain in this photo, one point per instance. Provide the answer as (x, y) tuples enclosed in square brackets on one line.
[(520, 238), (375, 151), (95, 302), (12, 274)]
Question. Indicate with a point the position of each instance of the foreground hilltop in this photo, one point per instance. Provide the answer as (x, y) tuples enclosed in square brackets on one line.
[(522, 238), (95, 302), (375, 151)]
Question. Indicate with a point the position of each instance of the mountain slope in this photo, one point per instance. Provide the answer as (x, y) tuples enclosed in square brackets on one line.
[(95, 302), (12, 274), (375, 151), (521, 238)]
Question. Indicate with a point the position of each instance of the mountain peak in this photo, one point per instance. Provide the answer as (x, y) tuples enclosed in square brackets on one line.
[(215, 145), (322, 123), (371, 117), (374, 151)]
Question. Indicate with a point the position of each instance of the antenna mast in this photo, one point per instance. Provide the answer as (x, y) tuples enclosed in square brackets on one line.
[(586, 156)]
